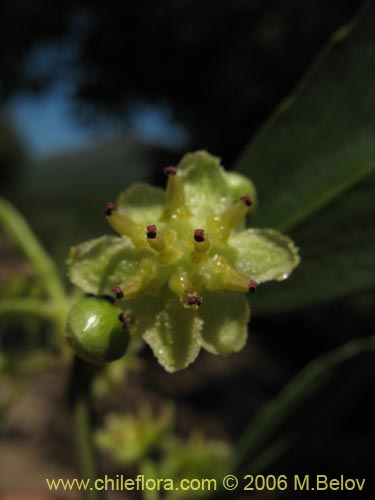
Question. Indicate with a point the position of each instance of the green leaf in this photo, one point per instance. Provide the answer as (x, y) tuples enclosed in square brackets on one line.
[(312, 161), (142, 202), (225, 316), (175, 335), (334, 262), (276, 412), (264, 254), (97, 265)]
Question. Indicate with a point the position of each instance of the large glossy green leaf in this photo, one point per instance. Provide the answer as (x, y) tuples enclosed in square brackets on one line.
[(312, 165), (348, 357), (337, 250)]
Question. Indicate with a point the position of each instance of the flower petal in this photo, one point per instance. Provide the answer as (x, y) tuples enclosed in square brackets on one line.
[(264, 254), (175, 335), (143, 311), (97, 265), (204, 183), (225, 316), (142, 203)]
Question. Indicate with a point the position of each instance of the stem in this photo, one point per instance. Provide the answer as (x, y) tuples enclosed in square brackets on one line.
[(16, 226), (148, 469), (32, 307), (80, 386), (18, 229)]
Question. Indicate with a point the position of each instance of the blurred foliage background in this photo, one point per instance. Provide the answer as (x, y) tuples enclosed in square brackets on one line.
[(217, 70)]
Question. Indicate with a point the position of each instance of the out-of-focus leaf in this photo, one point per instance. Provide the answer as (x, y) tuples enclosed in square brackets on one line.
[(130, 438), (312, 164), (303, 386), (337, 249)]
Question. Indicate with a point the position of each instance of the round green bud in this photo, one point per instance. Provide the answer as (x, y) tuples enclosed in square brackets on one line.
[(95, 331)]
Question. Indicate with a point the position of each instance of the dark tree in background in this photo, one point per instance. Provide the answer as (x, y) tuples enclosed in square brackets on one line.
[(220, 65), (12, 153)]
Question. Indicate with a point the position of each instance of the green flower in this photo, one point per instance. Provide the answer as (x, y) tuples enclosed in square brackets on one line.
[(131, 438), (184, 260)]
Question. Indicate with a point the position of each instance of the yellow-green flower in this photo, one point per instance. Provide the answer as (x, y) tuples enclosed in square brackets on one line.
[(184, 260), (131, 438)]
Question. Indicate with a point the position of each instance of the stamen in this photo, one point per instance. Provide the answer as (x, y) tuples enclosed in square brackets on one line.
[(225, 277), (109, 208), (201, 242), (194, 300), (175, 199), (119, 222), (199, 235), (180, 284), (170, 170), (127, 319), (155, 239), (236, 281), (252, 286), (151, 231), (245, 198), (231, 217), (119, 294), (131, 289)]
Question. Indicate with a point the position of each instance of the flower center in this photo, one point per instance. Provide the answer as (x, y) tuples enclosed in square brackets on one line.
[(188, 260)]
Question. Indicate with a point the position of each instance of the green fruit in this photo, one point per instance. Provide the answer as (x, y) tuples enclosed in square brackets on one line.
[(95, 332)]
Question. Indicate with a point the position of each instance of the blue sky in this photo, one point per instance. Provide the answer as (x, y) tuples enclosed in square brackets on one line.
[(47, 124)]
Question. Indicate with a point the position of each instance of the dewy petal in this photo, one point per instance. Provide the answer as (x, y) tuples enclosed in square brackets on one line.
[(175, 335), (225, 316), (97, 265), (205, 187), (264, 254), (142, 203)]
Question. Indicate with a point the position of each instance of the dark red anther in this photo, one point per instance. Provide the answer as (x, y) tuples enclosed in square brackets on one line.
[(109, 208), (245, 198), (127, 319), (199, 235), (119, 294), (194, 300), (151, 232), (252, 286), (170, 170)]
